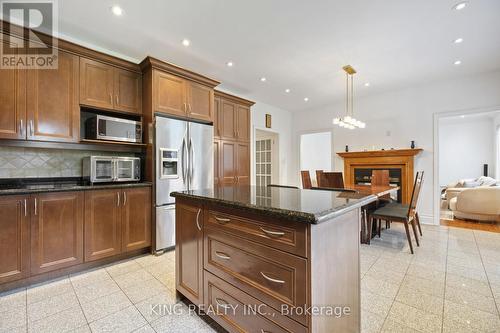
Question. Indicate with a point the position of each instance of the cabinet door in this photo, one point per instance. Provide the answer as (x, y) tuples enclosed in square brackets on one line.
[(169, 94), (12, 99), (136, 218), (102, 224), (200, 102), (216, 162), (227, 162), (52, 101), (189, 251), (243, 123), (56, 231), (227, 120), (96, 84), (128, 91), (14, 238), (242, 163), (217, 105)]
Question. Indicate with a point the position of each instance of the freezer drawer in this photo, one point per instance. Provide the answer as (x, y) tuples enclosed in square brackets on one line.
[(165, 227)]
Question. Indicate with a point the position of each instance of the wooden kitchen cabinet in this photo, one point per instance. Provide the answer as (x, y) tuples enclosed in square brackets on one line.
[(14, 238), (52, 101), (102, 224), (189, 250), (242, 163), (169, 94), (227, 120), (217, 144), (243, 123), (56, 231), (228, 170), (108, 87), (200, 101), (136, 218), (13, 99), (217, 104)]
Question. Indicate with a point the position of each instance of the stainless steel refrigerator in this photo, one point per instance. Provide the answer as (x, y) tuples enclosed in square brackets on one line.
[(184, 161)]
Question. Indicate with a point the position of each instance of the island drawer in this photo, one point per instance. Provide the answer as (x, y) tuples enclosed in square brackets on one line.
[(270, 275), (286, 236), (237, 311)]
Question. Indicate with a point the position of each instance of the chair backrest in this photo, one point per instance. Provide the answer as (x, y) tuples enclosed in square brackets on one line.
[(380, 178), (283, 186), (319, 178), (332, 179), (419, 178), (306, 179)]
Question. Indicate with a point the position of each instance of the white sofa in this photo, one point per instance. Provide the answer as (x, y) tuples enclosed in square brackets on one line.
[(480, 204), (454, 189)]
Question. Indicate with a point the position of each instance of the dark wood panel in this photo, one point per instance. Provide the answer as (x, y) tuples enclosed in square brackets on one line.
[(56, 231), (169, 94), (13, 99), (228, 161), (286, 236), (272, 276), (96, 84), (200, 102), (238, 312), (52, 101), (128, 91), (189, 251), (136, 219), (227, 119), (243, 163), (14, 238), (102, 224), (243, 123)]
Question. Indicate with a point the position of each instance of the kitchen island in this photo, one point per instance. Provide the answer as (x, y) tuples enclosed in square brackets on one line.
[(268, 259)]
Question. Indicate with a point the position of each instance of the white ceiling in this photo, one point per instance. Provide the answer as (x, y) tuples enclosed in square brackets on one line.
[(297, 44)]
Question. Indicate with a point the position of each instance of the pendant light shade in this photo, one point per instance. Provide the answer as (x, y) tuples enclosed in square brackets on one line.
[(348, 121)]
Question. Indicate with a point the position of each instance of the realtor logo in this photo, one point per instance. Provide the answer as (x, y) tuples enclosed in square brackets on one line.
[(29, 27)]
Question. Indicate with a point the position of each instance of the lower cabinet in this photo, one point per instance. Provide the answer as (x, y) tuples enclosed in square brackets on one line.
[(136, 219), (14, 238), (56, 231), (189, 251)]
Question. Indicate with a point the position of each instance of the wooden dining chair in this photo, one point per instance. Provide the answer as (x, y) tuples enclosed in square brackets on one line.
[(332, 179), (306, 179), (396, 212), (381, 178), (319, 178)]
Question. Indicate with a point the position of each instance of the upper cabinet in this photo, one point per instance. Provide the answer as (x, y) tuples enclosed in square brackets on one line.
[(107, 87), (52, 101), (233, 117), (177, 92), (243, 123)]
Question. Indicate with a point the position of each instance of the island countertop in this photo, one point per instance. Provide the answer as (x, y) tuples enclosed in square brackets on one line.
[(300, 205)]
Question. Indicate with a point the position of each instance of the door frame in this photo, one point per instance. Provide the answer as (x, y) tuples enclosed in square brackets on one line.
[(436, 187)]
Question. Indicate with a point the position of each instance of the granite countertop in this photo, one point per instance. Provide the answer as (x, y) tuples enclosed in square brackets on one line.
[(43, 185), (308, 206)]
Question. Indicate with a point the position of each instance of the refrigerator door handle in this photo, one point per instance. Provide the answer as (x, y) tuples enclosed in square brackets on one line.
[(183, 161), (192, 160)]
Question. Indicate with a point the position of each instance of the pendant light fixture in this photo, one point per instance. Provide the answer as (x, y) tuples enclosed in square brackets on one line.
[(348, 121)]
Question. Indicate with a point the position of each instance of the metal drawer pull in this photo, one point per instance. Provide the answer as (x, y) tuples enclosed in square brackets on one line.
[(124, 198), (222, 303), (36, 207), (222, 255), (273, 233), (25, 208), (271, 279), (198, 219), (118, 201), (222, 220), (262, 331)]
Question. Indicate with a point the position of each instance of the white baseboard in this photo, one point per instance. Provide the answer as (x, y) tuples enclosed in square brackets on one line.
[(427, 219)]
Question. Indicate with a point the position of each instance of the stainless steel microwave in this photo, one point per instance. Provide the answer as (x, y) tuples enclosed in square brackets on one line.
[(101, 169), (114, 129)]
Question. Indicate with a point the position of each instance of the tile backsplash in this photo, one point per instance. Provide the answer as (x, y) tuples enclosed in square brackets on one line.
[(36, 162)]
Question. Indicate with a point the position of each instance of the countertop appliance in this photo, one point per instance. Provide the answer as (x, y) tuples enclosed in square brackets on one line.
[(184, 161), (102, 169), (101, 127)]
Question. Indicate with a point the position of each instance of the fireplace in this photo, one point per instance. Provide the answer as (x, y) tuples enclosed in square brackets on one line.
[(362, 176), (399, 162)]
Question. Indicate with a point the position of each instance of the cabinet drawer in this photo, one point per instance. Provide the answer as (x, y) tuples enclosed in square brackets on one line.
[(272, 276), (237, 311), (290, 238)]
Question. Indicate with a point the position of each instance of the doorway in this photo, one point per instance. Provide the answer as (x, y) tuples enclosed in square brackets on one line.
[(266, 158), (316, 153)]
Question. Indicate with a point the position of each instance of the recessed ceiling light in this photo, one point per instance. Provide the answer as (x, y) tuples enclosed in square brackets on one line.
[(186, 42), (263, 79), (287, 90), (460, 5), (458, 40), (462, 116), (457, 62), (229, 64), (117, 10), (367, 84), (306, 99)]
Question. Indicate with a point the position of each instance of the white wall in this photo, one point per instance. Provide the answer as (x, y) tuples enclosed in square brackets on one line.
[(464, 146), (496, 128), (316, 152), (397, 117)]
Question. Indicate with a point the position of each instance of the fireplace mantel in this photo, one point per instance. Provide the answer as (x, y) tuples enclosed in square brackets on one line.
[(379, 159)]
